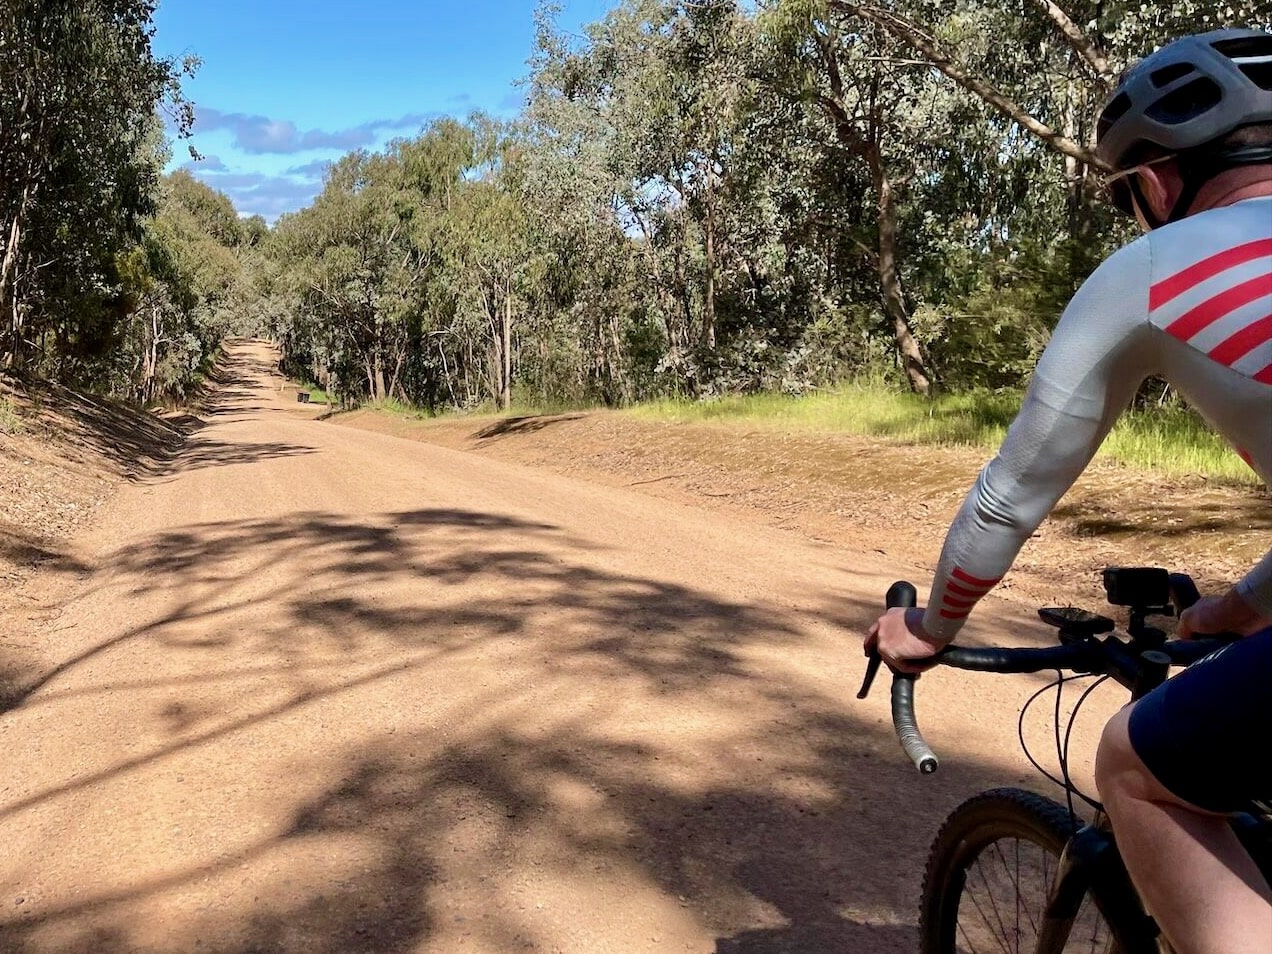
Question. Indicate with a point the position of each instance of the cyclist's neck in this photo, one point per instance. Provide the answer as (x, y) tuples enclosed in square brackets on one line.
[(1235, 185)]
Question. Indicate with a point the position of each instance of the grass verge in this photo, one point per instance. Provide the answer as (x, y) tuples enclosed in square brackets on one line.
[(1172, 440), (10, 419)]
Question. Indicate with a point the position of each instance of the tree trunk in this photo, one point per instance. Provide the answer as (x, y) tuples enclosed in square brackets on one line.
[(890, 279), (399, 358), (381, 387), (708, 338), (867, 145), (505, 356), (151, 360), (9, 290), (1073, 179)]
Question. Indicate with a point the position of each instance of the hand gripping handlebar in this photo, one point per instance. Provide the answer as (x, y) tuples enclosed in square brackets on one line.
[(1125, 662), (902, 594)]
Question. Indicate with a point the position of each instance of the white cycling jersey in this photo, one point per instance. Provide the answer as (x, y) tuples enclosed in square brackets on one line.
[(1191, 302)]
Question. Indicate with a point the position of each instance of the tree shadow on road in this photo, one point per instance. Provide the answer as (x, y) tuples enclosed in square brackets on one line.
[(770, 831), (203, 453)]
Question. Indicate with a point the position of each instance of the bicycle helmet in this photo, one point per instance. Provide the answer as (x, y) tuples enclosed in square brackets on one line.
[(1182, 101)]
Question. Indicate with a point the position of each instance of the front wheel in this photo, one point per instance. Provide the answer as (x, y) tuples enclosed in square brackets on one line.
[(989, 876)]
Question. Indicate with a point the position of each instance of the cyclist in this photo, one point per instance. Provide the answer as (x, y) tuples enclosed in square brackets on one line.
[(1188, 132)]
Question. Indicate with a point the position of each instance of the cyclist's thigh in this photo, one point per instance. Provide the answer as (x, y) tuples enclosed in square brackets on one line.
[(1204, 734)]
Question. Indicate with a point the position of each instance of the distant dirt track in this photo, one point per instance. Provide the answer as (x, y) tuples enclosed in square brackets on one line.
[(323, 691)]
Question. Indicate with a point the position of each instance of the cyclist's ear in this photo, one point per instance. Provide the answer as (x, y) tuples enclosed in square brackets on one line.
[(1158, 187)]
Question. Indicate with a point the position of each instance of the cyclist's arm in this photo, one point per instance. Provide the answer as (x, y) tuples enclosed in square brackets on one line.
[(1256, 589), (1100, 352)]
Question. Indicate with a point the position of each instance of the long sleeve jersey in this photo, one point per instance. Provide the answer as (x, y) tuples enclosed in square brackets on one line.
[(1190, 302)]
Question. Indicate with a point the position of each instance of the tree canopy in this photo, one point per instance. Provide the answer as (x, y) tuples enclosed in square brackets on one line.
[(697, 198)]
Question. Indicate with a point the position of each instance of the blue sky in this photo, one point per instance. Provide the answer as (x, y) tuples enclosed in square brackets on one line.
[(287, 86)]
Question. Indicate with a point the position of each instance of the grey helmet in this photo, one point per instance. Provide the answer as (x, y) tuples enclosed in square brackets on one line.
[(1189, 94)]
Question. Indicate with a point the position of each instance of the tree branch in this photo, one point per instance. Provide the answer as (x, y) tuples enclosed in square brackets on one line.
[(1079, 41), (909, 33)]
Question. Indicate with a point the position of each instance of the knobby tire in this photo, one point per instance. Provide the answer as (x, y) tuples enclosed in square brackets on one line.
[(989, 876)]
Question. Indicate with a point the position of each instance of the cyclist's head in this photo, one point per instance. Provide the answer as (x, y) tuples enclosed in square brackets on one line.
[(1203, 101)]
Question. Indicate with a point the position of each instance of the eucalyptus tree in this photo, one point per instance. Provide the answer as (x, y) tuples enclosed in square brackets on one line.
[(659, 106), (182, 289), (1026, 174), (601, 331), (1047, 66), (79, 162), (352, 267), (493, 259), (434, 170), (879, 113)]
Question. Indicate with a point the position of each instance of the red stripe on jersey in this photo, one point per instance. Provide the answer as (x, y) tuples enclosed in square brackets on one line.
[(949, 614), (1244, 341), (1264, 376), (1211, 310), (964, 591), (960, 604), (1180, 282), (970, 580)]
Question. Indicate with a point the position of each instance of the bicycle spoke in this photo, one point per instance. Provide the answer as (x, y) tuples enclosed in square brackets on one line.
[(1020, 895), (971, 948), (1002, 943), (989, 891)]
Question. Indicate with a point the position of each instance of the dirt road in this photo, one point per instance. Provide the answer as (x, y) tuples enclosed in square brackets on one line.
[(324, 690)]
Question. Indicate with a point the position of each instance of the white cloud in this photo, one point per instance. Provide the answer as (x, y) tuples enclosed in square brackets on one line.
[(260, 134), (255, 193)]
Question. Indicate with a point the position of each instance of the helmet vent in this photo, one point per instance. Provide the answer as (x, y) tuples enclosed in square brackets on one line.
[(1252, 55), (1246, 47), (1187, 102), (1260, 74), (1113, 112), (1168, 74)]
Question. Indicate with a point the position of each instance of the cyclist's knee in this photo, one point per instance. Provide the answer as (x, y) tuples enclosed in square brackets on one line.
[(1116, 763)]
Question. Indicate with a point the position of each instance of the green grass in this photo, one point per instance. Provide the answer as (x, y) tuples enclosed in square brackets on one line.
[(967, 419), (10, 420), (400, 409), (485, 409), (1171, 440), (1175, 440)]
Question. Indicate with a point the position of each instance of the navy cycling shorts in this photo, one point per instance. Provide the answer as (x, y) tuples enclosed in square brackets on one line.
[(1206, 734)]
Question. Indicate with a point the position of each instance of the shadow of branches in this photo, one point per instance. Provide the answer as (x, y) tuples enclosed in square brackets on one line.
[(526, 424), (771, 836), (1167, 519)]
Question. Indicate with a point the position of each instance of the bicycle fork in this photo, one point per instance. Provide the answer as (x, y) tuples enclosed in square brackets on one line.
[(1091, 865)]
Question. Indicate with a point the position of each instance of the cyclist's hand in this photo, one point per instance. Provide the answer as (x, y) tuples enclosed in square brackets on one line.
[(1220, 614), (899, 636)]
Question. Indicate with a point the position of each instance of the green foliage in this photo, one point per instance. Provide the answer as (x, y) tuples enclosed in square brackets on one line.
[(11, 421), (80, 153), (704, 199), (700, 200), (182, 288)]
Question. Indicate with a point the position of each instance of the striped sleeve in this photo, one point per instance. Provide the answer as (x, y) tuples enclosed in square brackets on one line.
[(1097, 357)]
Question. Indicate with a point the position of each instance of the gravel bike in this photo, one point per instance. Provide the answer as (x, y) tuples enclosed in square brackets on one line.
[(1014, 871)]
